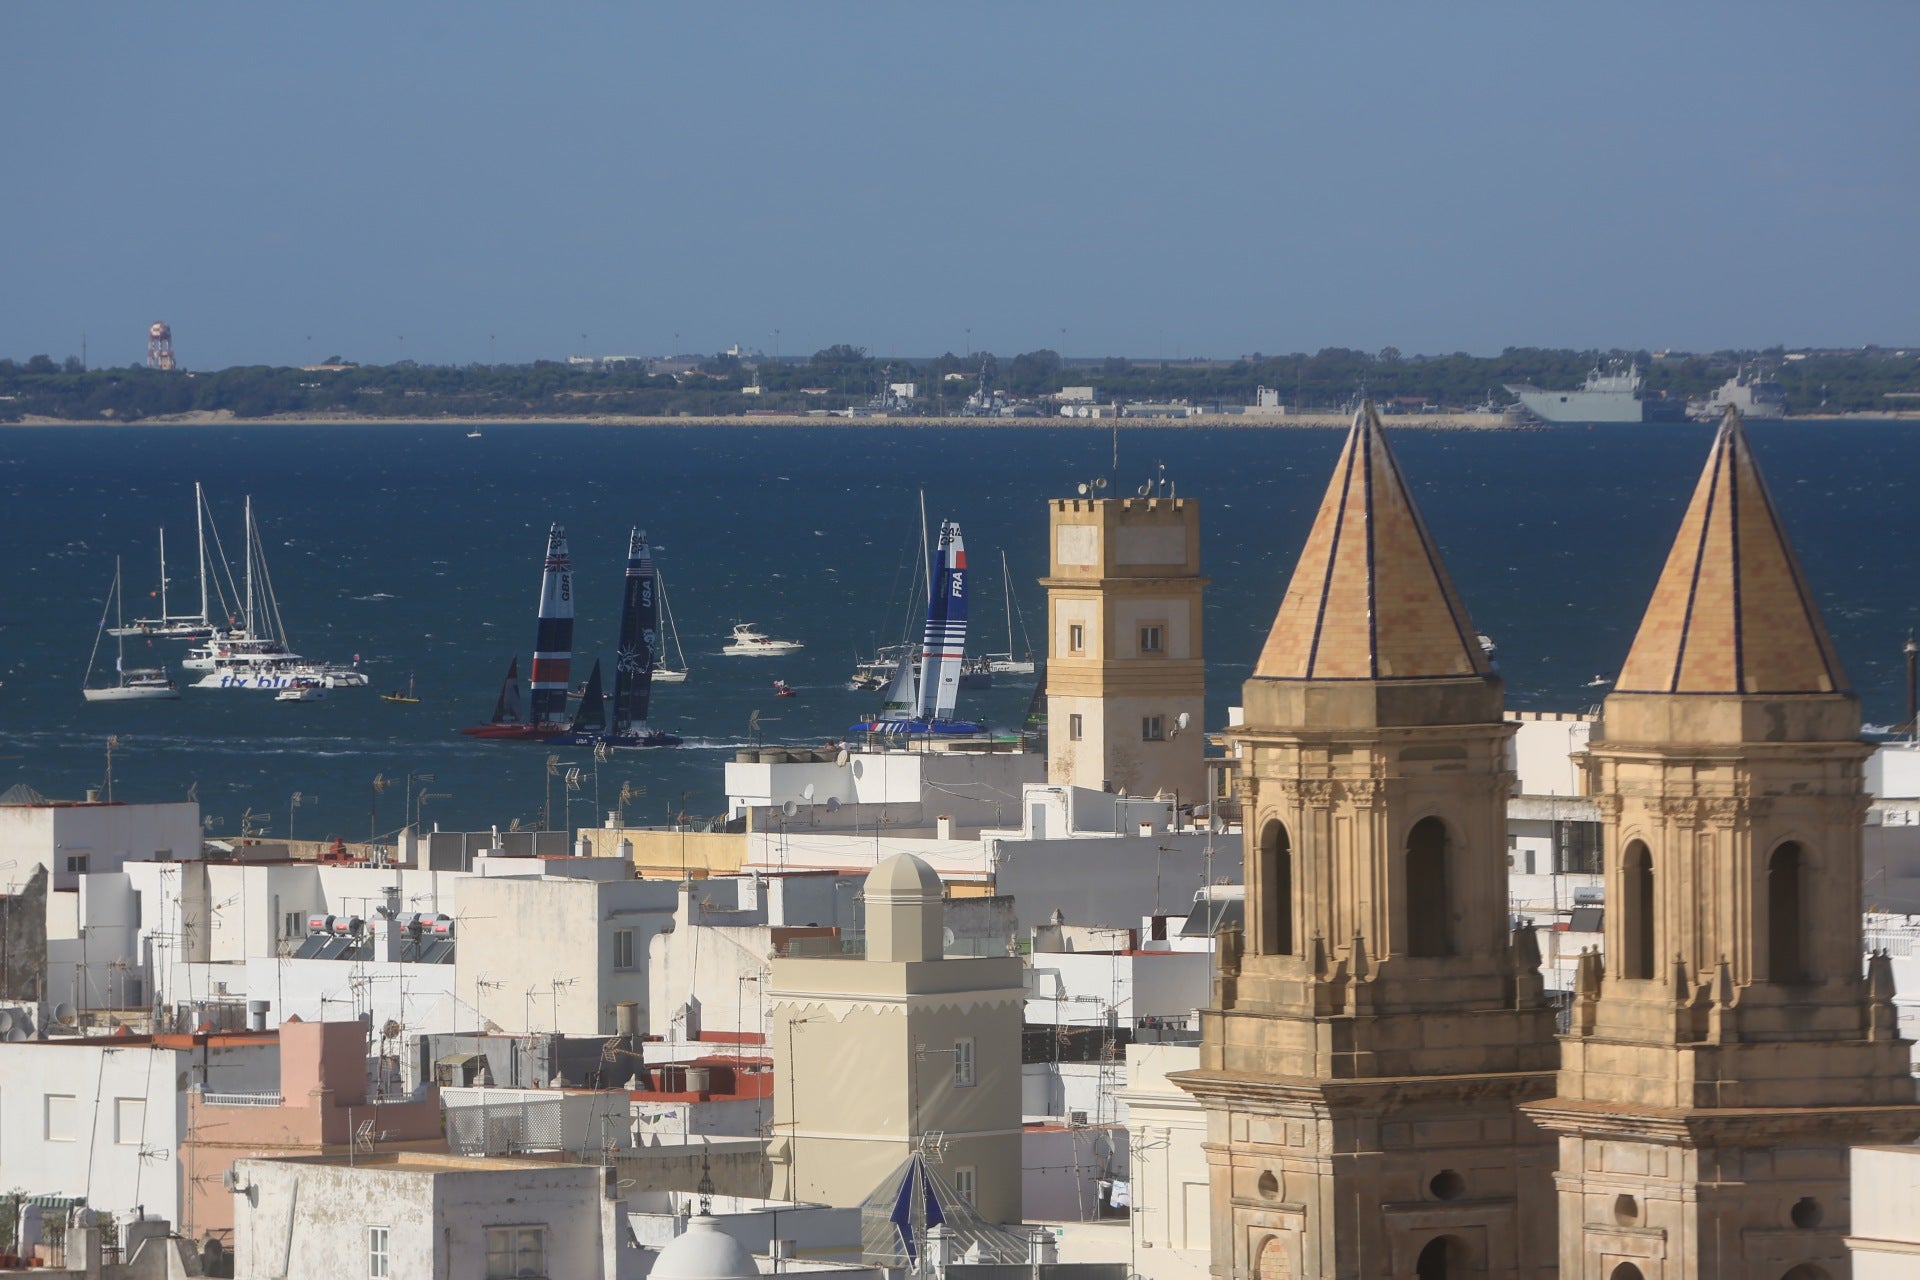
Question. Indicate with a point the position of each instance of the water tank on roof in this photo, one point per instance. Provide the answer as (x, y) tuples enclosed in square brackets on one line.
[(319, 924), (443, 926), (699, 1079)]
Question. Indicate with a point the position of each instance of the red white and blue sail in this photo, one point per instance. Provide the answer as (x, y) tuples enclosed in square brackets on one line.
[(553, 637), (945, 647)]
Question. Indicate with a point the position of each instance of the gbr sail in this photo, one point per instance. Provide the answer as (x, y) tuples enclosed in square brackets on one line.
[(553, 637)]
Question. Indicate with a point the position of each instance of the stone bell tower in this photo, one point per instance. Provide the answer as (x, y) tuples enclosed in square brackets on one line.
[(1378, 1026), (1727, 1050)]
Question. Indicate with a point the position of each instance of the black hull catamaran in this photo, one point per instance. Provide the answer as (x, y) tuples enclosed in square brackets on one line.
[(639, 648)]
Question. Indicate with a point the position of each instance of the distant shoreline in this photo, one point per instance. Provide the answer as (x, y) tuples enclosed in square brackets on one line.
[(1241, 422)]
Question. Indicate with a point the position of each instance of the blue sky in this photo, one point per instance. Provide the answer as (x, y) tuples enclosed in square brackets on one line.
[(455, 183)]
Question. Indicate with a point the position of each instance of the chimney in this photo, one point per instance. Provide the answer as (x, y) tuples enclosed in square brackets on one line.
[(257, 1014), (943, 827), (626, 1017), (1043, 1247)]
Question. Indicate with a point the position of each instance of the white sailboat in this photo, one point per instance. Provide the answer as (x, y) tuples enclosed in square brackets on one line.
[(185, 626), (140, 684), (1006, 662), (661, 671)]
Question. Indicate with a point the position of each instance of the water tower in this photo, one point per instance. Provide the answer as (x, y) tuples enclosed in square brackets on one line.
[(160, 346)]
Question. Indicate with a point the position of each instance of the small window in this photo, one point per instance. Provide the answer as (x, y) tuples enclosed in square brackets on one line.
[(964, 1181), (129, 1121), (963, 1063), (1074, 726), (293, 925), (1076, 638), (378, 1267), (516, 1252), (623, 948), (1153, 638), (1153, 729), (60, 1110), (163, 855), (77, 864)]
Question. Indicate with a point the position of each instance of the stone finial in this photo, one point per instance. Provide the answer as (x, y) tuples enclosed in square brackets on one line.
[(1883, 1021)]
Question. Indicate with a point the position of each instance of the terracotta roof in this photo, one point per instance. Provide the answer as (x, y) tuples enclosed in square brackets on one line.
[(1731, 613), (1370, 599)]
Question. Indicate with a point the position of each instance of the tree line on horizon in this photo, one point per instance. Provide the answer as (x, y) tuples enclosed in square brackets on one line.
[(843, 375)]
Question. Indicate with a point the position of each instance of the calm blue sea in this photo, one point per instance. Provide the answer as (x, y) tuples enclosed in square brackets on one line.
[(419, 549)]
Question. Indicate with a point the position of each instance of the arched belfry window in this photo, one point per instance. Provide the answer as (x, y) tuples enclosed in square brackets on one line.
[(1444, 1258), (1276, 890), (1637, 912), (1786, 940), (1429, 895)]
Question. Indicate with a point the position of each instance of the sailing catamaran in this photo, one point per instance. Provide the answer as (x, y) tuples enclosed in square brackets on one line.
[(185, 626), (928, 708), (139, 684), (632, 667), (255, 655), (552, 659)]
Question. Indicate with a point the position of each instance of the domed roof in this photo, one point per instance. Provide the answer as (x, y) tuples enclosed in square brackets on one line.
[(903, 876), (704, 1252)]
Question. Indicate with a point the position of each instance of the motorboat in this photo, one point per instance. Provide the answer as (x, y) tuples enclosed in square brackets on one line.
[(750, 643)]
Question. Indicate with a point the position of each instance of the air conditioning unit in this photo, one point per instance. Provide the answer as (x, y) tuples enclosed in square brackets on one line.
[(1076, 1119)]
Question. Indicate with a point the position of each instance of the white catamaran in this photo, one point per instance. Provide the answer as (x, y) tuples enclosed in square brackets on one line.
[(137, 684), (183, 626), (255, 655)]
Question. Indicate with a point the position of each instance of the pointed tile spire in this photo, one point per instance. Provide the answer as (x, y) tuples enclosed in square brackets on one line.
[(1370, 599), (1731, 613)]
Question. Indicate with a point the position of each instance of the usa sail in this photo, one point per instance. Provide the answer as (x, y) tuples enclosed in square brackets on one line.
[(637, 648)]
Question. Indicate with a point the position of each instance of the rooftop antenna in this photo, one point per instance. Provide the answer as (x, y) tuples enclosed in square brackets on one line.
[(113, 745)]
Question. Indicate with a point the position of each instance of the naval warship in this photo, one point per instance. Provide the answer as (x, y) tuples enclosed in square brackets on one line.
[(1613, 395)]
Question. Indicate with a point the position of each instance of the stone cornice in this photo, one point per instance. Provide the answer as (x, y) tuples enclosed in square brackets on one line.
[(1245, 1090), (1731, 1126)]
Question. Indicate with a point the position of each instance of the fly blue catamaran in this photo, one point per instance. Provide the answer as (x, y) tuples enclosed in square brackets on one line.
[(921, 702), (639, 646)]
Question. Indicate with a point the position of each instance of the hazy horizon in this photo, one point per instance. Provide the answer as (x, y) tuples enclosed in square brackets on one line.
[(487, 184)]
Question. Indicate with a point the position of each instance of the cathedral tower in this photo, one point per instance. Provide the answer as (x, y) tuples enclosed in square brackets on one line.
[(1727, 1050), (1126, 670), (1376, 1027)]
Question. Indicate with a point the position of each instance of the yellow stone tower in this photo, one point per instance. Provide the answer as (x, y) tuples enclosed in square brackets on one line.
[(1374, 1032), (1728, 1050), (1126, 675)]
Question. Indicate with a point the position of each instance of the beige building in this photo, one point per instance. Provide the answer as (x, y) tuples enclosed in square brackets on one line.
[(1728, 1051), (1374, 1031), (902, 1049), (1126, 677)]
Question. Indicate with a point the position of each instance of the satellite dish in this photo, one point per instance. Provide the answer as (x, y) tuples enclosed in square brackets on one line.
[(946, 937), (789, 808), (1144, 489), (6, 1021), (1083, 490), (833, 804), (64, 1014), (18, 1034), (806, 793), (230, 1179)]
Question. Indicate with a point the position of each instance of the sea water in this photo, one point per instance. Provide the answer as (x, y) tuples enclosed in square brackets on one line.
[(418, 549)]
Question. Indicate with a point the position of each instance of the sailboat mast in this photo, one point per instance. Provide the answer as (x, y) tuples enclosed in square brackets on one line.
[(248, 614), (1006, 581), (200, 528), (163, 574), (119, 625)]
